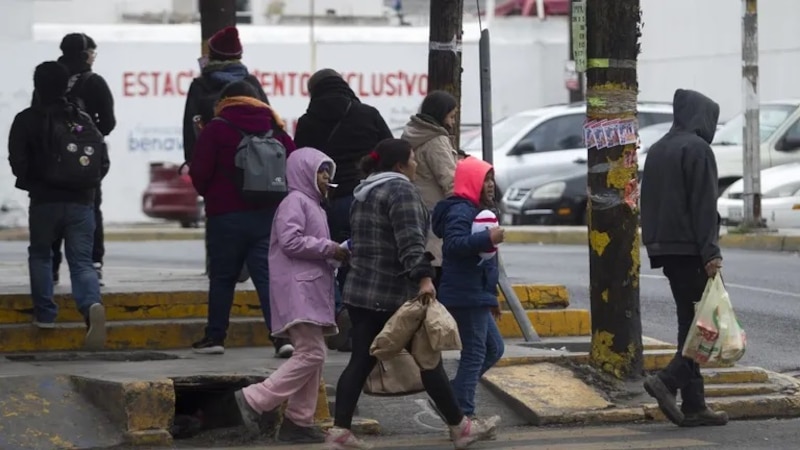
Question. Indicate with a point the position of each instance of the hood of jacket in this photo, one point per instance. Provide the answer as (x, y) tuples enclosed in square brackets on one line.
[(420, 130), (371, 182), (469, 178), (330, 98), (695, 113), (439, 216), (253, 119), (302, 168), (225, 72)]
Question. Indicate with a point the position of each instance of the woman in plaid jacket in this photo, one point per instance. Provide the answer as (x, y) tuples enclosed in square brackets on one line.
[(389, 266)]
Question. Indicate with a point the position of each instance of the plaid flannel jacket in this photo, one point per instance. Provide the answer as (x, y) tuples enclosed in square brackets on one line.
[(389, 232)]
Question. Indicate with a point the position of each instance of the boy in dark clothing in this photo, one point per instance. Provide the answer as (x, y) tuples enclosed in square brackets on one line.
[(56, 210), (680, 228), (468, 287), (224, 67), (91, 92), (338, 124)]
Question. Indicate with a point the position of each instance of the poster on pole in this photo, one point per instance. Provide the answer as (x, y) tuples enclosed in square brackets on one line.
[(579, 35)]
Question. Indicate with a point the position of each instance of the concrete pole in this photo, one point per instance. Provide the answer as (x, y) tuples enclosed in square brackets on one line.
[(751, 139), (490, 8), (540, 9), (312, 35)]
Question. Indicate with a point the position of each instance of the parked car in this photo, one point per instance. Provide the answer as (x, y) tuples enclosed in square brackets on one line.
[(779, 132), (780, 198), (547, 136), (171, 196), (557, 195), (468, 131)]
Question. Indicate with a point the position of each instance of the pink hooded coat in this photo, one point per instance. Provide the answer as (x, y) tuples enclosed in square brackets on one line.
[(300, 279)]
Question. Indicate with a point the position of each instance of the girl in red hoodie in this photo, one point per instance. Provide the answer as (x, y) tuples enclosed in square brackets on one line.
[(237, 231)]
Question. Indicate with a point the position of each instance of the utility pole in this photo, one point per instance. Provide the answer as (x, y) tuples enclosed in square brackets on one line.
[(575, 95), (214, 16), (444, 52), (612, 47), (751, 139)]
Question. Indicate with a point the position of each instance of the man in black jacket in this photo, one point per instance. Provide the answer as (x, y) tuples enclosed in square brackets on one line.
[(91, 92), (56, 210), (338, 124), (680, 228)]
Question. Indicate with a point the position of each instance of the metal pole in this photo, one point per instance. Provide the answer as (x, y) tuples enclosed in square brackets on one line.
[(312, 37), (751, 139), (490, 9), (485, 63)]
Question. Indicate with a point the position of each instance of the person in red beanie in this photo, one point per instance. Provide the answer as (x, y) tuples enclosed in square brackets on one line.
[(224, 66)]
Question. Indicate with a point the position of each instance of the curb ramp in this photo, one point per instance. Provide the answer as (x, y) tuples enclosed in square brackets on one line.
[(534, 386)]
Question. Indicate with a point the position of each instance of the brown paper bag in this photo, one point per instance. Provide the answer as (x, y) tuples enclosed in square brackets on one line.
[(441, 328), (396, 376), (399, 330)]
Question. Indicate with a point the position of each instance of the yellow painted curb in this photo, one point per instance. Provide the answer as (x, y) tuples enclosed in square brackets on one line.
[(741, 389), (735, 375), (548, 323), (578, 236), (132, 235), (144, 409), (538, 296), (17, 308)]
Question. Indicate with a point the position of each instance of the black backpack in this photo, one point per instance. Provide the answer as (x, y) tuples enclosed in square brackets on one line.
[(73, 149)]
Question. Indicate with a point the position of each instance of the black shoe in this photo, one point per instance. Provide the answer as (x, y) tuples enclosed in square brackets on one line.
[(208, 346), (56, 278), (705, 418), (283, 348), (666, 399), (290, 432)]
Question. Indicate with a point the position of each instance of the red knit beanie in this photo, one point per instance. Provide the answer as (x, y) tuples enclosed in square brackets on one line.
[(225, 45)]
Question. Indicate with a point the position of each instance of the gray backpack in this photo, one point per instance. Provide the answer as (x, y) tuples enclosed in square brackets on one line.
[(260, 166)]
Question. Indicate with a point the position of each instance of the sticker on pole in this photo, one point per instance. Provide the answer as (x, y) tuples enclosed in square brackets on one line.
[(602, 134), (579, 35)]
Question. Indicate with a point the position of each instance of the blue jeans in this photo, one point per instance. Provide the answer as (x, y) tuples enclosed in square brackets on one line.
[(233, 239), (482, 347), (75, 222), (339, 224)]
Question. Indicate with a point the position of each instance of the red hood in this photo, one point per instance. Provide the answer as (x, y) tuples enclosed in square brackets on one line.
[(469, 178), (253, 119)]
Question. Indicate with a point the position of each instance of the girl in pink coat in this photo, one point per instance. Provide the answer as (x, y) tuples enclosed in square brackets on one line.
[(301, 298)]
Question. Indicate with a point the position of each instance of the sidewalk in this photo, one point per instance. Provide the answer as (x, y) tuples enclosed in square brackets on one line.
[(777, 240)]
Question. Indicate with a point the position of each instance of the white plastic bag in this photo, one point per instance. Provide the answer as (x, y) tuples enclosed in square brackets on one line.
[(715, 334)]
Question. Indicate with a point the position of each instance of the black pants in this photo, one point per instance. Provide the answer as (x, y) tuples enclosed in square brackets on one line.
[(687, 279), (99, 247), (366, 325)]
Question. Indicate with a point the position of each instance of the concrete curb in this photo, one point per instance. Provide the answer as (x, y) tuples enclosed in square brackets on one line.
[(514, 235), (151, 305)]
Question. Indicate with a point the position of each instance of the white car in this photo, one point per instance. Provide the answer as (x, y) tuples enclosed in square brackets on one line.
[(780, 140), (780, 198), (541, 137)]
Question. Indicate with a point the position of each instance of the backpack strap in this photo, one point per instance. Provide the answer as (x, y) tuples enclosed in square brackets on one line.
[(339, 123)]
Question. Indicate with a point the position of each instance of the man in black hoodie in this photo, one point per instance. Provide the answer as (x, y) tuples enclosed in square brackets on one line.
[(92, 94), (338, 124), (680, 228), (65, 208)]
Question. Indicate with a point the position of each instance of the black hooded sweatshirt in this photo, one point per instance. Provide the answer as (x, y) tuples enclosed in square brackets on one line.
[(360, 130), (679, 185), (94, 92)]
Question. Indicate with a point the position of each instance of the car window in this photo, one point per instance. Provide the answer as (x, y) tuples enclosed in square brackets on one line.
[(794, 132), (786, 190), (652, 118), (502, 132), (771, 117), (559, 133)]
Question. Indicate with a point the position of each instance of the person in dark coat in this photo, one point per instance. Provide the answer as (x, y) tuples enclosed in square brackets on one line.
[(238, 231), (224, 66), (55, 209), (338, 124), (680, 228), (91, 91)]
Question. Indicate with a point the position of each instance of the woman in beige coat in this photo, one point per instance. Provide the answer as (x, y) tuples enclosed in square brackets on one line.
[(429, 135)]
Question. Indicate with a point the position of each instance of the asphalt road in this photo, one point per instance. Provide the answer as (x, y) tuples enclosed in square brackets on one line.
[(764, 287)]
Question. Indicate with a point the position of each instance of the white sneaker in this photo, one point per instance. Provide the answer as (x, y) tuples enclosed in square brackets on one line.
[(473, 430), (44, 325), (285, 351), (96, 336), (343, 439)]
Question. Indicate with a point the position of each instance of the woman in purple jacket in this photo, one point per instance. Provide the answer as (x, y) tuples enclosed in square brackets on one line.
[(301, 256)]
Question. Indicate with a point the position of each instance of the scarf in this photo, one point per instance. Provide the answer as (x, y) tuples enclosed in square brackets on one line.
[(248, 101)]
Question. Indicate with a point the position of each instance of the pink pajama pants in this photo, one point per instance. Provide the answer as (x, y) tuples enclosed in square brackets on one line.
[(297, 380)]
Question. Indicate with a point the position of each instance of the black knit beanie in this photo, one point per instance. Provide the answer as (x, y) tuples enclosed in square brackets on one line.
[(321, 75)]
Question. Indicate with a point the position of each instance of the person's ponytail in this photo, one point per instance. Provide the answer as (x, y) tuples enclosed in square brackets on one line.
[(386, 156)]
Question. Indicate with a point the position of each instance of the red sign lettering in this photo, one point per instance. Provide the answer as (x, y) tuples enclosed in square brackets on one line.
[(278, 84)]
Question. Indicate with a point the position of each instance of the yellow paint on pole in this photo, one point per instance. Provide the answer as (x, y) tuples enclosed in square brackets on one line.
[(613, 362), (604, 295), (599, 240)]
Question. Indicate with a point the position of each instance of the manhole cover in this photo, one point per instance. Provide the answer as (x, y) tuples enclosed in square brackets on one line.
[(87, 356)]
